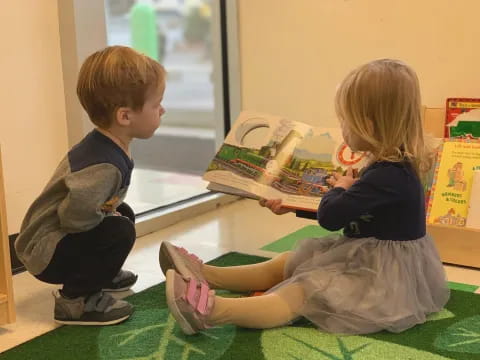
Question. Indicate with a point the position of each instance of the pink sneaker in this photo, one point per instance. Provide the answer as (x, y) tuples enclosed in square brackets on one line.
[(189, 301), (177, 258)]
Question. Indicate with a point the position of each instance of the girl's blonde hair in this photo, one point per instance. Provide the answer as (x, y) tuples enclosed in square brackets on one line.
[(380, 103)]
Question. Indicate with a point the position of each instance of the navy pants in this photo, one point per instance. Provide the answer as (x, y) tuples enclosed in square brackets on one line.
[(88, 261)]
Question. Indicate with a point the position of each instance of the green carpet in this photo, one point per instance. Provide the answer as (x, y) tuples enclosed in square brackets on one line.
[(151, 334), (288, 242)]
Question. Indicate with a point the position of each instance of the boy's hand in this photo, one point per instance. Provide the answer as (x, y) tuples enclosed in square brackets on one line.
[(343, 181), (275, 206)]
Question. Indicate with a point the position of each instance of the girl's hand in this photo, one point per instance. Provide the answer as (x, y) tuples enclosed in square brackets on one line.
[(275, 206), (343, 181)]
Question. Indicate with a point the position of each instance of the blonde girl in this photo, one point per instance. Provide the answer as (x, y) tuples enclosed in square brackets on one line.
[(382, 273)]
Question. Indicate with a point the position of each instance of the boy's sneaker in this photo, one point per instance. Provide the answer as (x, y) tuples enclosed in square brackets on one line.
[(97, 309), (177, 258), (122, 282), (189, 301)]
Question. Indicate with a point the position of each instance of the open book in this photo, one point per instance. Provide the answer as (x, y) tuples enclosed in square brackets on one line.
[(266, 156)]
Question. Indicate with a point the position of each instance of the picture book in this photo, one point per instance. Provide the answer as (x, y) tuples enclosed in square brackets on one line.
[(458, 159), (428, 177), (267, 156), (462, 118), (473, 216)]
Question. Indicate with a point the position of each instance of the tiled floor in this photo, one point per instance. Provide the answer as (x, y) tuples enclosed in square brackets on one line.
[(242, 226)]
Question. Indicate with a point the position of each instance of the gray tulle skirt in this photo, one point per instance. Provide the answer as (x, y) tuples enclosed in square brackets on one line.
[(359, 286)]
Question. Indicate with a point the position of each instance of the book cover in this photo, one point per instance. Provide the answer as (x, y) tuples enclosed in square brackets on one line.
[(449, 200), (270, 157), (462, 118)]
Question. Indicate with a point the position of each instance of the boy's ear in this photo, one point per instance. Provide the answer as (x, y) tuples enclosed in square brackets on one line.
[(123, 116)]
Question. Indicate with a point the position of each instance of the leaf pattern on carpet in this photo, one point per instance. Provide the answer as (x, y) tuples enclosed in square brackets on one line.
[(161, 338), (463, 337), (309, 344)]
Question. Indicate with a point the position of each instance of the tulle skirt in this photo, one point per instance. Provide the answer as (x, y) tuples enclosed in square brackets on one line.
[(359, 286)]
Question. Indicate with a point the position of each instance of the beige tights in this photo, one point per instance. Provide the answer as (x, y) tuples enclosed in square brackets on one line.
[(261, 312)]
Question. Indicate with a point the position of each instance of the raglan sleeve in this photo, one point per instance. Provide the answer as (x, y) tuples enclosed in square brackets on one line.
[(87, 191)]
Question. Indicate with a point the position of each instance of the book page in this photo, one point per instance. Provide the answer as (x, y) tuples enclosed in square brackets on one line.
[(453, 182), (287, 160), (231, 190), (254, 152)]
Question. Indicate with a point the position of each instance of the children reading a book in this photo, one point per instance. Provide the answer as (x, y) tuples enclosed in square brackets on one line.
[(78, 232), (383, 273)]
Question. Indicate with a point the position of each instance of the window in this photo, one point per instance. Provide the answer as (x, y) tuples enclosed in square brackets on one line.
[(180, 34)]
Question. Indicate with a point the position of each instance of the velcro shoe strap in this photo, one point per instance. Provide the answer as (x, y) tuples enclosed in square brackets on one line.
[(199, 303), (203, 300), (191, 291)]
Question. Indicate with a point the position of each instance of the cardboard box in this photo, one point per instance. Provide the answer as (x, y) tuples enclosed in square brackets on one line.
[(460, 246)]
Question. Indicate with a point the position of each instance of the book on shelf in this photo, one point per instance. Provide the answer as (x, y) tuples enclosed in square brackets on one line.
[(462, 118), (454, 194), (268, 156), (473, 215)]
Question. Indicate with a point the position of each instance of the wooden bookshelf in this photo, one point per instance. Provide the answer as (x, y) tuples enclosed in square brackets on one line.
[(7, 306), (456, 245)]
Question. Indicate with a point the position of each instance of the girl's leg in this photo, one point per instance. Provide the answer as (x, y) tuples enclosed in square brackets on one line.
[(259, 276), (196, 308), (259, 312), (242, 278)]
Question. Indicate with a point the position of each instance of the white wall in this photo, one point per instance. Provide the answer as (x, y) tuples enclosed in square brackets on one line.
[(295, 52), (33, 133)]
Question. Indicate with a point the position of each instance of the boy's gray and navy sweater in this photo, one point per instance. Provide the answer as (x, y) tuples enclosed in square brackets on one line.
[(88, 184)]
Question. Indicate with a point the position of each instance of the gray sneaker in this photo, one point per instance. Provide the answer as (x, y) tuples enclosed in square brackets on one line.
[(123, 281), (97, 309)]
